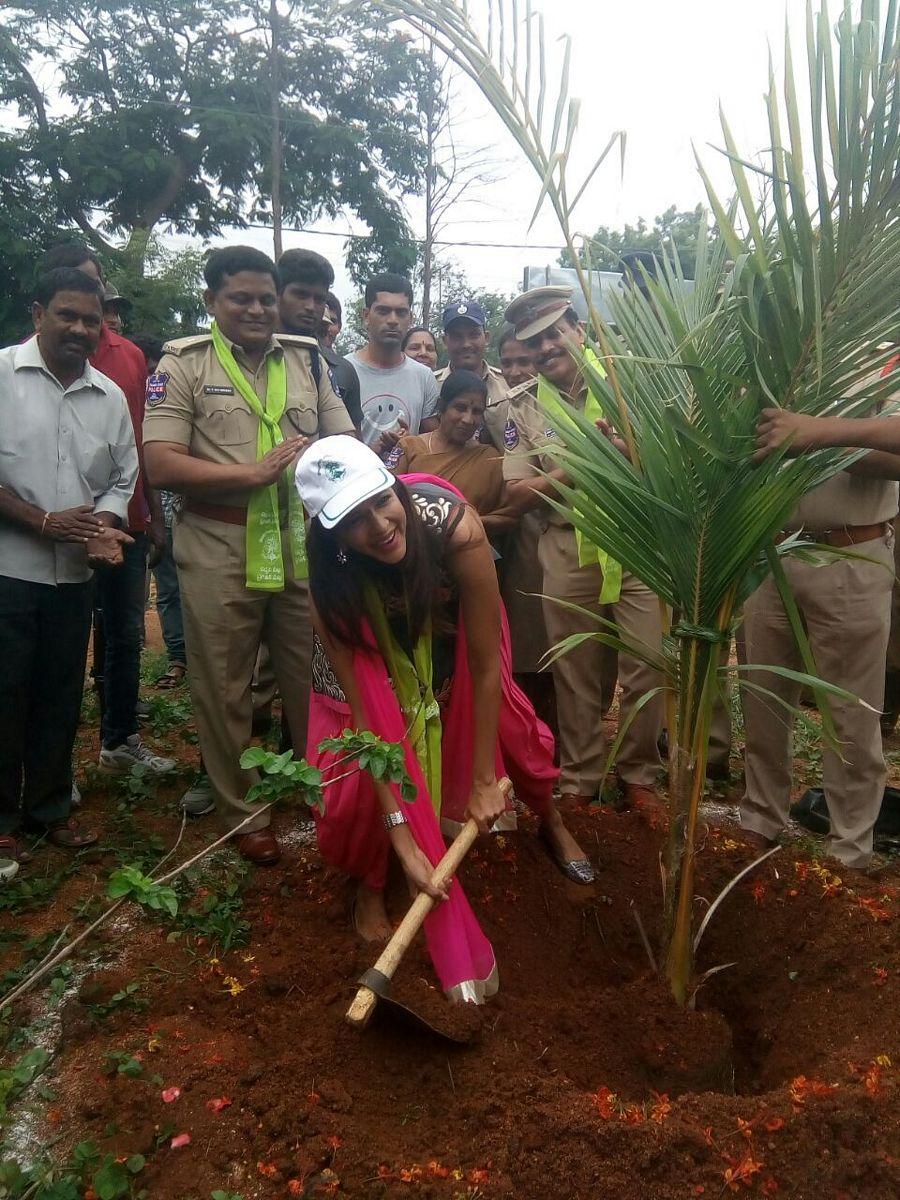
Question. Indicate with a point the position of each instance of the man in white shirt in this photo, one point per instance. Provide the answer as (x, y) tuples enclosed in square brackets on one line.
[(398, 395), (68, 467)]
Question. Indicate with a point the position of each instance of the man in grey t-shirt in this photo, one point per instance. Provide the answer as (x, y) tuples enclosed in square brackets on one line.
[(398, 395)]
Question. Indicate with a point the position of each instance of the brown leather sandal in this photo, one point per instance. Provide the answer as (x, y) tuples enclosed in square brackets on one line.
[(173, 678), (11, 847), (69, 835)]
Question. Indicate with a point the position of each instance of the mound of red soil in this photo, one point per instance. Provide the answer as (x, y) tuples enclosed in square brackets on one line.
[(581, 1080)]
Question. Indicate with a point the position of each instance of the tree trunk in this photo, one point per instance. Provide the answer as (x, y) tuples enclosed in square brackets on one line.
[(277, 137), (428, 248), (698, 669)]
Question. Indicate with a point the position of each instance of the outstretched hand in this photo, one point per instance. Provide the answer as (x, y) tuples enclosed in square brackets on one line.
[(777, 426), (106, 549)]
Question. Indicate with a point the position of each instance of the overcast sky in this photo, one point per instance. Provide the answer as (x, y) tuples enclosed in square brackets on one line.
[(657, 69)]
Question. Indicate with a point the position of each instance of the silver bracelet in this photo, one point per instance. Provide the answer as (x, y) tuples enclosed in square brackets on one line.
[(393, 819)]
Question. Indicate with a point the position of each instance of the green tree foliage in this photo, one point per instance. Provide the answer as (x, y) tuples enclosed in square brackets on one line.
[(671, 230), (157, 115), (167, 296)]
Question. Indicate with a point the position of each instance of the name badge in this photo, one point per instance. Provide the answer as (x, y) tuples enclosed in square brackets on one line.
[(210, 390)]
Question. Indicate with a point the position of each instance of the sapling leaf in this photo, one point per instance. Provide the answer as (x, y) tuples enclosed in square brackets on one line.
[(253, 756)]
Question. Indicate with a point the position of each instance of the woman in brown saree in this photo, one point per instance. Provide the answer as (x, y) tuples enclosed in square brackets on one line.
[(449, 452)]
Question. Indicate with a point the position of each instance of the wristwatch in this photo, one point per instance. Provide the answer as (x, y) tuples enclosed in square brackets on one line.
[(393, 819)]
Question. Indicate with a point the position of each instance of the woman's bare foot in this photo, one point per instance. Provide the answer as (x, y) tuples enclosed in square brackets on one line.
[(561, 840), (370, 917)]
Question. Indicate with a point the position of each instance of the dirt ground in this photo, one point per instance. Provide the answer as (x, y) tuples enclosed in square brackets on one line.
[(231, 1073)]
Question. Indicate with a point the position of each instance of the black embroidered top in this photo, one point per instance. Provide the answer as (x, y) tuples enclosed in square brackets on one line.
[(440, 510)]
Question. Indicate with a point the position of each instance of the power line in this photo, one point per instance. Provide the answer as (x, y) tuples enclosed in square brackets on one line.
[(365, 237)]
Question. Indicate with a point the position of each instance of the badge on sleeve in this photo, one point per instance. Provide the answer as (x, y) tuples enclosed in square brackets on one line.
[(156, 388), (510, 434)]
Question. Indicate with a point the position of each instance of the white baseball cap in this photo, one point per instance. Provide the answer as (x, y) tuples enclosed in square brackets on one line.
[(337, 474)]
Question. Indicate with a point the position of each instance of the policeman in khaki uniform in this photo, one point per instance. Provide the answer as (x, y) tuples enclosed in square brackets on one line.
[(466, 338), (846, 608), (227, 415), (544, 320)]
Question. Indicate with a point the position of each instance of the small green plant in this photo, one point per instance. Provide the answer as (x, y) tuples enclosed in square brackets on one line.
[(110, 1179), (220, 1195), (384, 761), (130, 883), (153, 664), (15, 1079), (23, 894), (168, 713), (214, 912), (120, 1062), (126, 997), (282, 776), (113, 1178), (138, 785)]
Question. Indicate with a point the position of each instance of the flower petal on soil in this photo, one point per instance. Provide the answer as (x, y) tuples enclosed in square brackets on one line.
[(179, 1140), (217, 1104), (171, 1094)]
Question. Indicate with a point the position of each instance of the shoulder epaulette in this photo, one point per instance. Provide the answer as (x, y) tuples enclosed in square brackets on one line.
[(180, 346), (526, 388), (298, 340)]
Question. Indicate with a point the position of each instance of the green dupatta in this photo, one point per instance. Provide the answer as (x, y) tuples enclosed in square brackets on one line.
[(413, 681), (265, 563)]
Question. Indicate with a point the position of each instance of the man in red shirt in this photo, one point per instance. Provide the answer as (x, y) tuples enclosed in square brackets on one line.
[(120, 593)]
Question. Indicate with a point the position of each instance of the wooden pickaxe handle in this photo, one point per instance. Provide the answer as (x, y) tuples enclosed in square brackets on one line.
[(364, 1002)]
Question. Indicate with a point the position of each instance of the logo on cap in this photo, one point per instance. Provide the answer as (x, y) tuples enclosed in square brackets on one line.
[(462, 309), (331, 469)]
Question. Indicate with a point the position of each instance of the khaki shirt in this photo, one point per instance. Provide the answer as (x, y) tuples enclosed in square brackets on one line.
[(192, 402), (496, 412), (843, 500), (528, 429), (847, 499)]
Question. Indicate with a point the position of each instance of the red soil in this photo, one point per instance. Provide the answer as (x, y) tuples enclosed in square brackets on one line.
[(583, 1081)]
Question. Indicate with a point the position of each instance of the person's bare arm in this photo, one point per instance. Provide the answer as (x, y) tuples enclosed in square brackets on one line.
[(802, 433), (170, 465), (524, 495), (470, 563), (878, 465), (96, 531), (415, 863)]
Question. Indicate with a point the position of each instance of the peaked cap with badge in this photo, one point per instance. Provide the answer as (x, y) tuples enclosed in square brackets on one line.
[(537, 310)]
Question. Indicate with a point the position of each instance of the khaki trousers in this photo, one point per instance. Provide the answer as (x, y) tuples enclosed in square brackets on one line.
[(846, 607), (225, 622), (521, 584), (720, 727), (578, 674)]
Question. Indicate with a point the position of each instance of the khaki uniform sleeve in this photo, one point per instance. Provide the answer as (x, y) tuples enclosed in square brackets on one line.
[(520, 437), (169, 408), (333, 415)]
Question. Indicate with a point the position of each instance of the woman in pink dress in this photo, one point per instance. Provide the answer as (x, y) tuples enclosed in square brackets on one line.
[(413, 645)]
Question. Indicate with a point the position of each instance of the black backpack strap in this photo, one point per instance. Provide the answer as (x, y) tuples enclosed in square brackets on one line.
[(315, 364)]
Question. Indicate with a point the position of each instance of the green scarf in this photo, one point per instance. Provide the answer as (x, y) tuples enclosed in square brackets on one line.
[(414, 685), (550, 399), (265, 564)]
